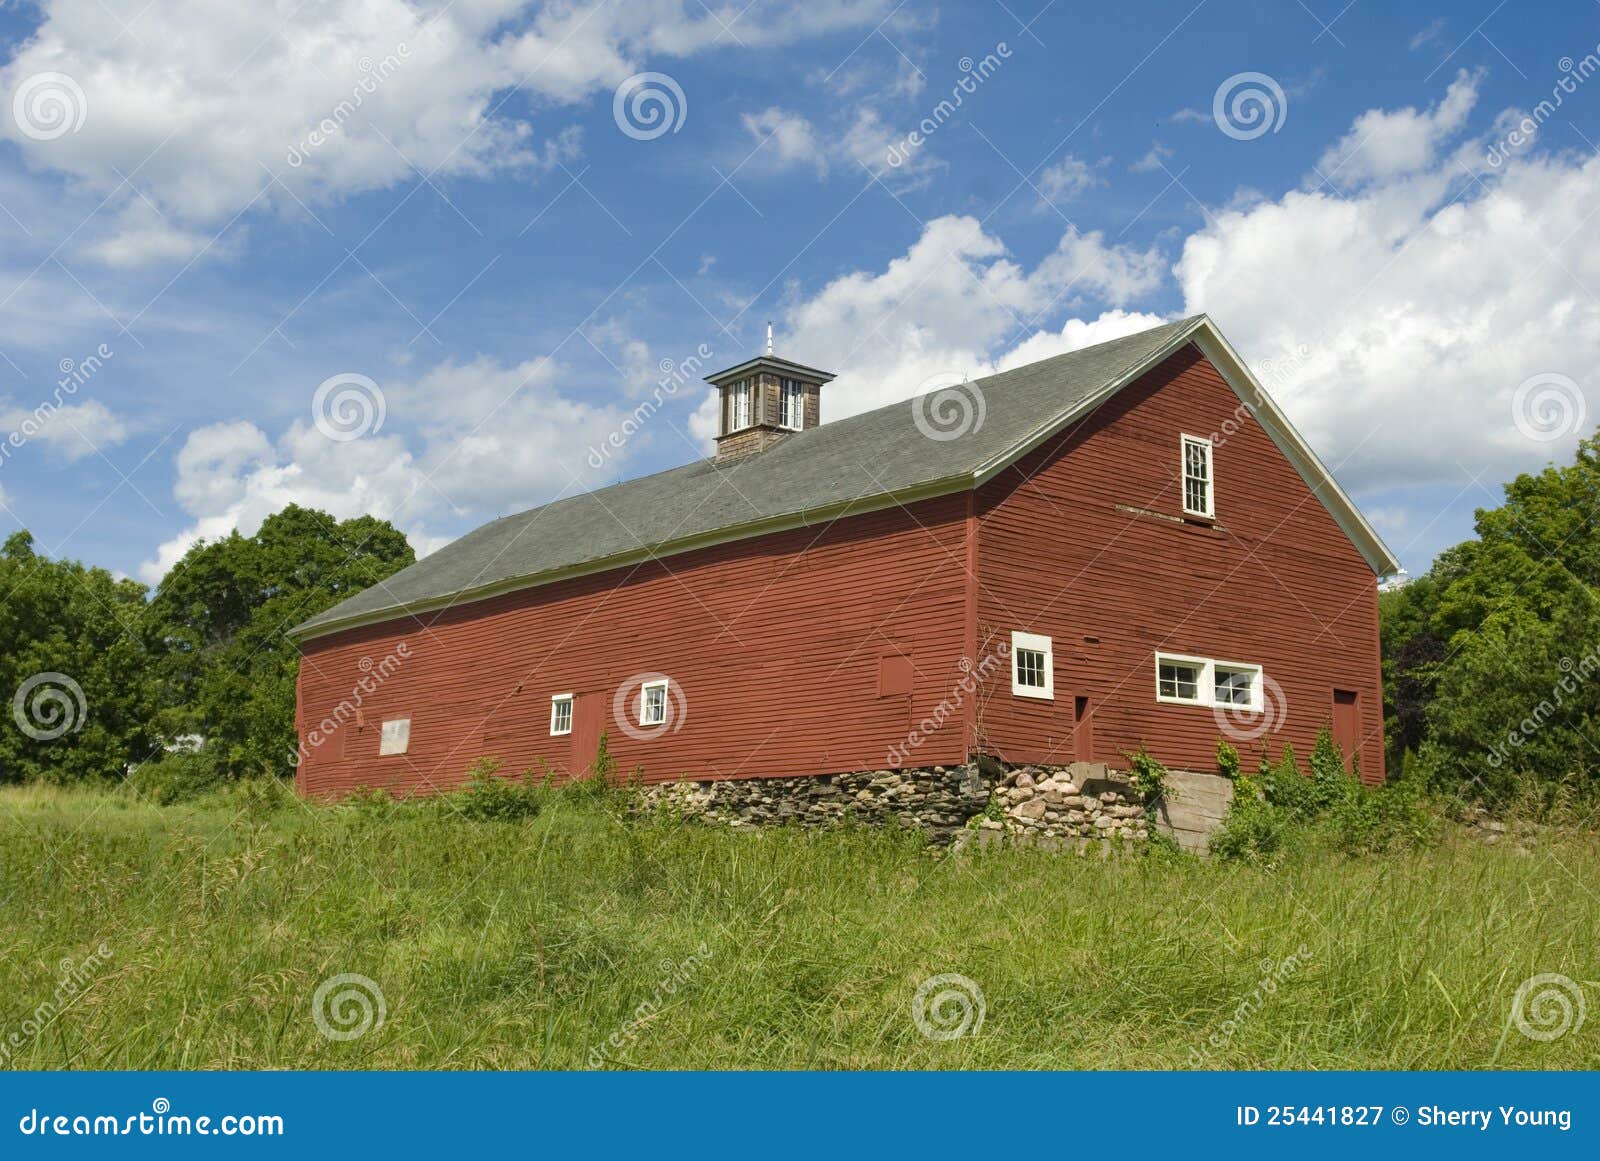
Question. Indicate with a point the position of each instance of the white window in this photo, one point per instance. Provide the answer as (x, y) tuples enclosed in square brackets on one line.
[(793, 399), (1201, 681), (1032, 666), (1181, 679), (653, 703), (1237, 685), (739, 405), (561, 714), (1197, 481), (394, 737)]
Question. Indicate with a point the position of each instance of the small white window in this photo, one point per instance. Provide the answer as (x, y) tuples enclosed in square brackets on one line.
[(1032, 666), (1238, 686), (1181, 679), (653, 703), (793, 399), (739, 405), (1197, 481), (561, 714), (394, 737)]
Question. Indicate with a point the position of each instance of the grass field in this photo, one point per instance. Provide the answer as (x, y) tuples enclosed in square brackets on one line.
[(576, 938)]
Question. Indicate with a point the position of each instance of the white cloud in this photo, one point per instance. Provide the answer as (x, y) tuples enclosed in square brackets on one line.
[(491, 439), (1067, 179), (198, 103), (74, 431), (787, 140), (1385, 144)]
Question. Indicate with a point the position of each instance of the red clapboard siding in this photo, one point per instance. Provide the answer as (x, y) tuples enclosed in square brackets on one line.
[(1275, 583), (776, 645)]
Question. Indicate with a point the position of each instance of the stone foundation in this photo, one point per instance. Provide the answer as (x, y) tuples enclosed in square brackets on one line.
[(1066, 805)]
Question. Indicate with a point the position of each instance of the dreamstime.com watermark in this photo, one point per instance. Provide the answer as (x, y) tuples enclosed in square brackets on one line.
[(373, 75), (49, 105), (1548, 1006), (674, 376), (1574, 676), (347, 406), (48, 706), (1548, 406), (649, 105), (1273, 975), (348, 1006), (75, 373), (74, 979), (947, 407), (973, 74), (674, 978), (1573, 74), (160, 1121), (972, 676), (1249, 105), (948, 1006), (647, 706), (348, 710)]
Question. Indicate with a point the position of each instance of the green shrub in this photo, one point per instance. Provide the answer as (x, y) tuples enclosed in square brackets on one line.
[(1255, 829), (1147, 776), (1227, 760), (487, 797), (175, 776)]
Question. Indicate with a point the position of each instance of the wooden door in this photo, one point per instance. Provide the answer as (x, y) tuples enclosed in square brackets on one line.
[(1082, 731), (588, 721), (1346, 723)]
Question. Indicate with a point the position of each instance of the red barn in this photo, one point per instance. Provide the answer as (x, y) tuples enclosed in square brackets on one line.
[(1125, 545)]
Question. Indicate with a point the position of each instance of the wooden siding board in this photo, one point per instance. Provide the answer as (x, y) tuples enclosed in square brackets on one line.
[(1272, 582)]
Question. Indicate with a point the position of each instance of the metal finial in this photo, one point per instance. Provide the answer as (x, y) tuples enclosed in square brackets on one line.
[(769, 337)]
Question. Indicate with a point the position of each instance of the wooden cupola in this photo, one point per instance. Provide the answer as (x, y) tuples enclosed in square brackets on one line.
[(764, 400)]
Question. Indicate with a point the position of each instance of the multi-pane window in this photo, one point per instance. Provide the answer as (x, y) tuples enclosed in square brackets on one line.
[(792, 400), (1178, 680), (1197, 482), (1202, 681), (1032, 666), (739, 405), (1235, 686), (561, 714), (653, 703)]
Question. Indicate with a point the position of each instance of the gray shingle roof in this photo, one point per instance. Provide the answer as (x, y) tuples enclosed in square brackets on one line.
[(869, 455)]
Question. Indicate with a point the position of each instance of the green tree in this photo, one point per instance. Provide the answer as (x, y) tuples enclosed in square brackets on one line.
[(228, 668), (75, 669), (1492, 660)]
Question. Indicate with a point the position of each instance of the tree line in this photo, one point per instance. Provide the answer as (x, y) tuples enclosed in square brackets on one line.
[(106, 676)]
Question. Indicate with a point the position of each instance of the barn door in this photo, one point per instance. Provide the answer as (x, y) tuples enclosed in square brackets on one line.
[(1082, 731), (1346, 723), (588, 719)]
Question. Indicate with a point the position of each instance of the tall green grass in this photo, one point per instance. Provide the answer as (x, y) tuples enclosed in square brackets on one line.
[(548, 942)]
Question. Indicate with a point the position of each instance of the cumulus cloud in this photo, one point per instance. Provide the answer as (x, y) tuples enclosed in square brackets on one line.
[(1386, 144), (1067, 179), (72, 432), (490, 438), (787, 140), (345, 96)]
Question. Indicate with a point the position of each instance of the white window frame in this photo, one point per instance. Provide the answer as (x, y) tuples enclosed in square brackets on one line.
[(394, 737), (644, 702), (740, 393), (799, 396), (1206, 686), (1257, 695), (1184, 443), (556, 701), (1034, 643)]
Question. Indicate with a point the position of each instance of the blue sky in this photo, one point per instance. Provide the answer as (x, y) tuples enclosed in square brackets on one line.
[(484, 244)]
